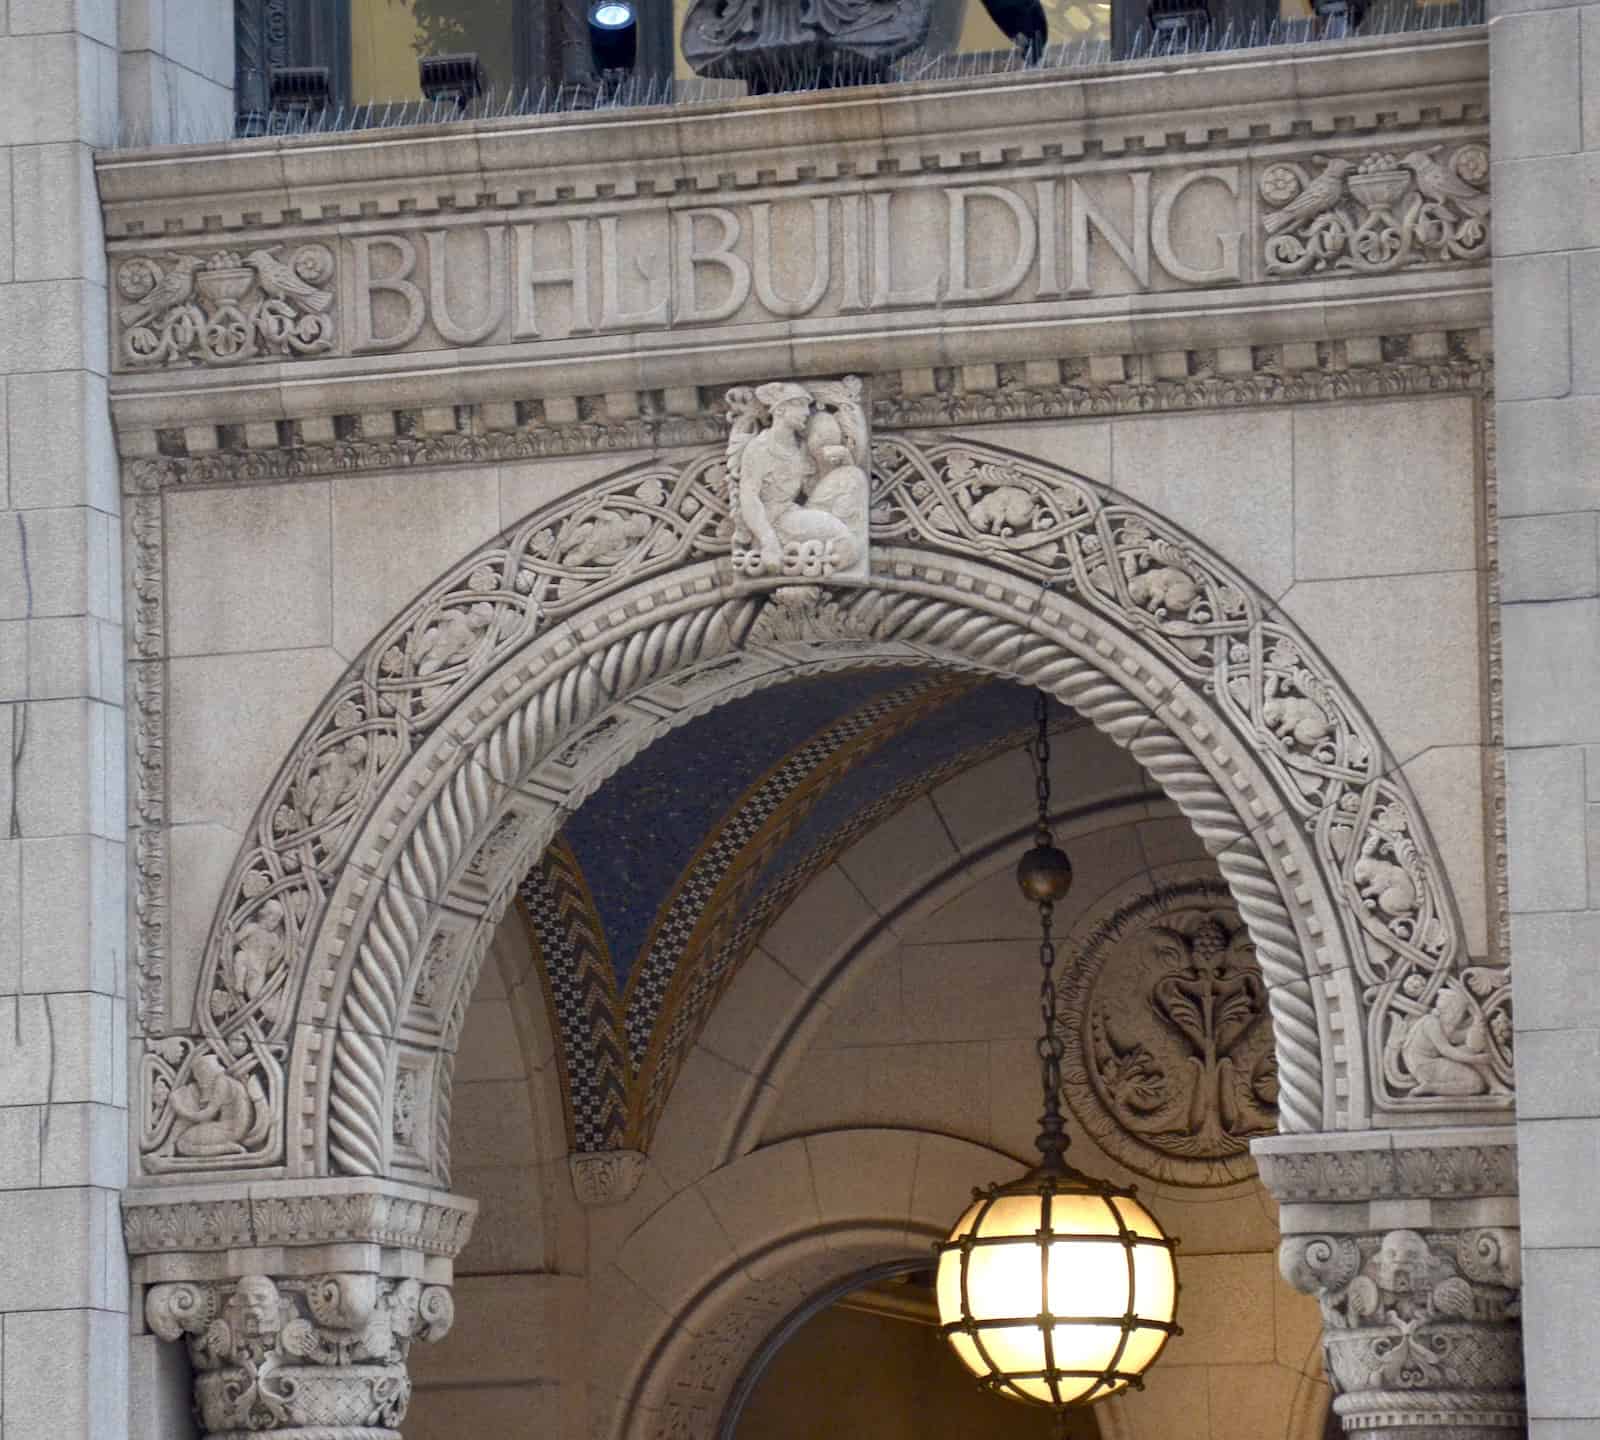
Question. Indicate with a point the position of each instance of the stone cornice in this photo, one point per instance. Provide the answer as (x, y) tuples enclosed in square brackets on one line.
[(294, 1214), (1393, 1165), (1103, 386), (1294, 196), (698, 150)]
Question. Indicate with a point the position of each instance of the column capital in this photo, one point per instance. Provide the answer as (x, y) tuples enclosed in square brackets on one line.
[(320, 1358), (1420, 1329), (298, 1299)]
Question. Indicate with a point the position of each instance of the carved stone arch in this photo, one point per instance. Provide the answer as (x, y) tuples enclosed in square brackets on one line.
[(390, 841)]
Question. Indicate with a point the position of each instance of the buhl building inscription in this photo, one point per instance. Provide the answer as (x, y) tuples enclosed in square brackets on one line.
[(582, 270)]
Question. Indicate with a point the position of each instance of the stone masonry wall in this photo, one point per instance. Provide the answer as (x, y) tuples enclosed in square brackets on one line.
[(63, 926), (1545, 68), (63, 1076)]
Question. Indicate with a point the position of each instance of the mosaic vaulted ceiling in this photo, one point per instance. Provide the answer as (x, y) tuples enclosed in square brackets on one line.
[(656, 890)]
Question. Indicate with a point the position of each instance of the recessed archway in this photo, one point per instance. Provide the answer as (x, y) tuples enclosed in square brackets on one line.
[(516, 683)]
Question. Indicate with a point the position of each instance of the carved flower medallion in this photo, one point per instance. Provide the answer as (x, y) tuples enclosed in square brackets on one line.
[(1169, 1057)]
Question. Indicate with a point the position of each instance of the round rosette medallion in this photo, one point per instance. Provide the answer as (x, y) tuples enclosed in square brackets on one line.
[(1169, 1060)]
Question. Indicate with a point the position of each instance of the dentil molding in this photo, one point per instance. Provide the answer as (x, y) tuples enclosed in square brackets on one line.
[(1071, 388)]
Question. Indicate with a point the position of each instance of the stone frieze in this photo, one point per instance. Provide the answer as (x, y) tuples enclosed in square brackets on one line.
[(223, 308), (1020, 236), (1377, 213)]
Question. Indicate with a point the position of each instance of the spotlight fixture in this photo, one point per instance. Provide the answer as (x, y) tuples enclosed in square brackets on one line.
[(298, 87), (613, 35), (451, 77), (1056, 1289), (1023, 23)]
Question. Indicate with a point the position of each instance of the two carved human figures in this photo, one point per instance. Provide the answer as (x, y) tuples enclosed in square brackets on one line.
[(798, 459)]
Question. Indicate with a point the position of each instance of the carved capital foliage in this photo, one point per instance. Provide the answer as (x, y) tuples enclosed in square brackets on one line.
[(316, 1358), (1421, 1328)]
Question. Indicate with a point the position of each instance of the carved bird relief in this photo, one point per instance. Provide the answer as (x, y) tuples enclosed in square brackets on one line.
[(1321, 194), (176, 287)]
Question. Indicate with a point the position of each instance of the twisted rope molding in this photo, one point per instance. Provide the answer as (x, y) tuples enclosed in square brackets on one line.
[(453, 826), (468, 805), (529, 849)]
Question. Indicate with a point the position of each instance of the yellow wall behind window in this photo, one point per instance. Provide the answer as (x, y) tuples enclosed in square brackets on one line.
[(383, 54)]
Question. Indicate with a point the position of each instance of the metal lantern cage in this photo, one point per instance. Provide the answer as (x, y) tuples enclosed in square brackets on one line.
[(1057, 1289)]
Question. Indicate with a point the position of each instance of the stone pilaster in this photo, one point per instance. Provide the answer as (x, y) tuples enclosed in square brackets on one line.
[(298, 1301), (1410, 1242)]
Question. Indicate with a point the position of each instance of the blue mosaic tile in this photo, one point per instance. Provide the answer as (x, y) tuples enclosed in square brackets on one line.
[(637, 834), (965, 724)]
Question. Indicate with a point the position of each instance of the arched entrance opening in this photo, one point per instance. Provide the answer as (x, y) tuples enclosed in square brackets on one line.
[(869, 1351), (488, 713)]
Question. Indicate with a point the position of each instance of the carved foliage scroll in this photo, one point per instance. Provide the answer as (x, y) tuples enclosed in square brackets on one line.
[(226, 307), (1376, 214), (1416, 1323), (299, 1355)]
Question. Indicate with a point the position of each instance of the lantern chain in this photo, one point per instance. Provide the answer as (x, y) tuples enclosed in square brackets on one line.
[(1052, 1139)]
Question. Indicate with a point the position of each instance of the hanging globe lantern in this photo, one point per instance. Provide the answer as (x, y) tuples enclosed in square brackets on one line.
[(1056, 1289)]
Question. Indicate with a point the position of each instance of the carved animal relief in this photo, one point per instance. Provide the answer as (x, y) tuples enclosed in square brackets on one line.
[(1169, 1059), (1405, 937), (1376, 214), (224, 308), (797, 480)]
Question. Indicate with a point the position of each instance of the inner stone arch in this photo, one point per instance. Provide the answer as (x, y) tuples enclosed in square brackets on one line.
[(479, 793), (1189, 668)]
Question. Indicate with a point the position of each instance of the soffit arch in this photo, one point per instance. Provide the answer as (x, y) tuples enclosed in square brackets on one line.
[(539, 665)]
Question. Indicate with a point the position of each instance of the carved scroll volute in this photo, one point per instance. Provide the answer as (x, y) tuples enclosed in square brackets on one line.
[(323, 1356), (1421, 1329)]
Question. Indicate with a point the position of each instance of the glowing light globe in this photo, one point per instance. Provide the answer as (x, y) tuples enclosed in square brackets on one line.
[(1056, 1289)]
